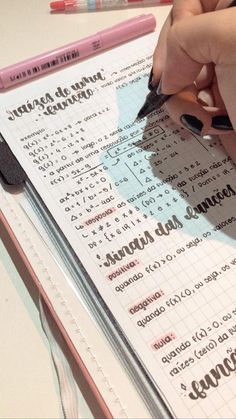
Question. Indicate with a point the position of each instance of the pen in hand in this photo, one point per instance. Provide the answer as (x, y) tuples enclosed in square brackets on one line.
[(154, 100)]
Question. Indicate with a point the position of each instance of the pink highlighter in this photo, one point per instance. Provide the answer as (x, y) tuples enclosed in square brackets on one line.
[(49, 61)]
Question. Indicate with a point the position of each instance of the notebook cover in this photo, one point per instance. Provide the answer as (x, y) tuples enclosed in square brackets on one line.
[(104, 398), (95, 400)]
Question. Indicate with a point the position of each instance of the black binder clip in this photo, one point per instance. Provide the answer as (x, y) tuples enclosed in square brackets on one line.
[(10, 169)]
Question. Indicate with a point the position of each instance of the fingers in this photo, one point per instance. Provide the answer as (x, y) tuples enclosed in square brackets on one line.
[(205, 77), (227, 88), (181, 9), (203, 39), (223, 4), (185, 8), (196, 49), (159, 56), (185, 110), (229, 143), (205, 97)]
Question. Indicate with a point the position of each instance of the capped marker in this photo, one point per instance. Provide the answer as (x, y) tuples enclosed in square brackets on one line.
[(96, 5), (71, 53)]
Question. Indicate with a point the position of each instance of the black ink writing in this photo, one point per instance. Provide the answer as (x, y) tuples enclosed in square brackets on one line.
[(211, 380), (42, 103)]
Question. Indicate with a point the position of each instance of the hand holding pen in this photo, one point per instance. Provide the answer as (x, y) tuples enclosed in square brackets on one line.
[(196, 61)]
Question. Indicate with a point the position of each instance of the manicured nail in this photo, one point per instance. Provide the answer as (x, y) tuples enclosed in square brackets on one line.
[(233, 3), (221, 122), (150, 85), (192, 123)]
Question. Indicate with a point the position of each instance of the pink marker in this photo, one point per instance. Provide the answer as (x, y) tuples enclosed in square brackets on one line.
[(49, 61), (95, 5)]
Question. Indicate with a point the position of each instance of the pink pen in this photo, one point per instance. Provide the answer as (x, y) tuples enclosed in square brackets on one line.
[(49, 61), (95, 5)]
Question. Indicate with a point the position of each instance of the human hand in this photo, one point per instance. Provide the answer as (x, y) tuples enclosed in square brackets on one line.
[(196, 57)]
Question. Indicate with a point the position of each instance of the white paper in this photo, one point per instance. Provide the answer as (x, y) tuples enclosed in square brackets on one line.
[(150, 211)]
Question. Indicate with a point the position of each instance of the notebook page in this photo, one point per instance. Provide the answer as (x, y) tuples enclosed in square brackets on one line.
[(150, 211)]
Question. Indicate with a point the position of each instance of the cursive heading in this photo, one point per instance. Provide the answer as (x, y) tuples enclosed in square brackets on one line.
[(48, 104)]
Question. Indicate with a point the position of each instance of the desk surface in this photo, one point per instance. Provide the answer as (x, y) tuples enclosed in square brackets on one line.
[(28, 387)]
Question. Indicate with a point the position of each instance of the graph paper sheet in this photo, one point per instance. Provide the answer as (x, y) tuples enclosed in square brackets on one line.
[(150, 211)]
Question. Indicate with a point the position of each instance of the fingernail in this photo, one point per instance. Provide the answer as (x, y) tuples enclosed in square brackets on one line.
[(150, 86), (233, 3), (192, 123), (159, 88), (221, 122)]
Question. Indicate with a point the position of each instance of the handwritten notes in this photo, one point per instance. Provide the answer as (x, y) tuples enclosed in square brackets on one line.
[(150, 211)]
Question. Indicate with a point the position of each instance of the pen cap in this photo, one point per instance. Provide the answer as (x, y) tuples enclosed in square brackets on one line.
[(130, 29)]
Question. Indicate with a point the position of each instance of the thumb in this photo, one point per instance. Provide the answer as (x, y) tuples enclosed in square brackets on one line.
[(191, 43), (228, 141)]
